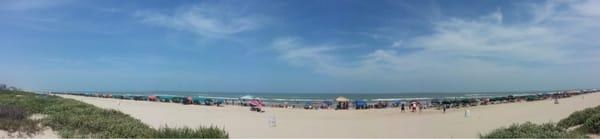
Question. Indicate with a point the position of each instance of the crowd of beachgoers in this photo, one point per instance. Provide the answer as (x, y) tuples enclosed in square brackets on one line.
[(341, 103)]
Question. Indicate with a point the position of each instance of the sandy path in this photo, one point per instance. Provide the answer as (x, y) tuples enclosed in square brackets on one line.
[(240, 122)]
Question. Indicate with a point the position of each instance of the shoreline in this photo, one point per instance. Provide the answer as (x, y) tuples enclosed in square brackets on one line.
[(425, 102), (389, 122)]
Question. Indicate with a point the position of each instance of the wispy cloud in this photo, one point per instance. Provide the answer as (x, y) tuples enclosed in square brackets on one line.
[(205, 19), (296, 53), (472, 49)]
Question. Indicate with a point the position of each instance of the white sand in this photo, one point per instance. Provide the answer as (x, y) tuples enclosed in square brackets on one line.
[(240, 122), (47, 133)]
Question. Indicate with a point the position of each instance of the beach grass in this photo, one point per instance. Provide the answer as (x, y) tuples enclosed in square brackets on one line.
[(531, 130), (577, 125), (579, 117), (186, 132), (592, 124), (75, 119), (15, 120)]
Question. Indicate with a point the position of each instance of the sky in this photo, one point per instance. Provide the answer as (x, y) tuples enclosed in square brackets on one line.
[(308, 46)]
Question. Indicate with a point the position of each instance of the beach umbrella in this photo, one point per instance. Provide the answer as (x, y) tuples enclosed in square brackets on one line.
[(152, 98), (189, 100), (360, 104), (256, 103)]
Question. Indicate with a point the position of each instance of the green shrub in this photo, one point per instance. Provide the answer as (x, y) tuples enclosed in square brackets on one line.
[(578, 117), (12, 112), (592, 124), (530, 130), (14, 120), (25, 127), (76, 119), (186, 132)]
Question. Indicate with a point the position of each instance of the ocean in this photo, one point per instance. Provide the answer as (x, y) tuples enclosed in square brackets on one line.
[(331, 96)]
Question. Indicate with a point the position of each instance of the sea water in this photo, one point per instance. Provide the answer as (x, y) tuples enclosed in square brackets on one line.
[(305, 97)]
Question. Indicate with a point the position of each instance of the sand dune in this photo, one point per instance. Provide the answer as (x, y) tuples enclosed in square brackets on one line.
[(240, 122)]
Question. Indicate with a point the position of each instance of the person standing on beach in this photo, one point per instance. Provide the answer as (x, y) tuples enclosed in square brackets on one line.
[(402, 107), (444, 108)]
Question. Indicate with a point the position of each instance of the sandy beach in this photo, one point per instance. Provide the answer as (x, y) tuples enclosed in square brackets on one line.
[(240, 122)]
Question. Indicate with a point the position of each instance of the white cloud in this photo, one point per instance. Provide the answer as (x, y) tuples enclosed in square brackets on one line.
[(473, 39), (397, 43), (205, 19), (298, 54), (475, 50), (588, 8)]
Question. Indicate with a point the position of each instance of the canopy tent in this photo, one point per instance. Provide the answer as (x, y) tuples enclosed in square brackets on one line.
[(198, 100), (247, 97), (342, 102), (127, 96), (342, 99), (209, 101), (117, 96), (177, 99), (499, 99), (219, 101), (140, 97), (533, 97), (164, 98)]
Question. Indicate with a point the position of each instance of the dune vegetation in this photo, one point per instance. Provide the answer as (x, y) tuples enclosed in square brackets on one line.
[(71, 118), (577, 125), (14, 120)]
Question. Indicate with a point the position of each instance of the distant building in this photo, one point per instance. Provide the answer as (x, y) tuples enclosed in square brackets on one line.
[(3, 87), (12, 88)]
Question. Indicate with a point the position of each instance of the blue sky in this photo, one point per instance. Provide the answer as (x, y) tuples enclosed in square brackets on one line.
[(300, 46)]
